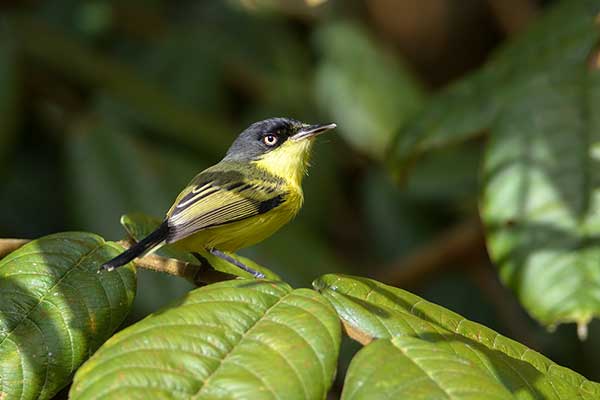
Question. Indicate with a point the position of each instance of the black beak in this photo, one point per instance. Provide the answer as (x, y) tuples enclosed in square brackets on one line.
[(309, 131)]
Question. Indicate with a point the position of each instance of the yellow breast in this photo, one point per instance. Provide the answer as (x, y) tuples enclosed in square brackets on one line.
[(236, 235)]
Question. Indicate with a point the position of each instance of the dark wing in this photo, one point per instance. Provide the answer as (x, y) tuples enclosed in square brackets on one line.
[(220, 198)]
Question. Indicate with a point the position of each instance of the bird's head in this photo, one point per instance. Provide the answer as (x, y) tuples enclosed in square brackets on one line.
[(279, 145)]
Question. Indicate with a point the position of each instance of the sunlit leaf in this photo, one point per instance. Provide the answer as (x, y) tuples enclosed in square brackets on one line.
[(56, 310), (541, 197), (370, 310), (409, 368), (241, 339)]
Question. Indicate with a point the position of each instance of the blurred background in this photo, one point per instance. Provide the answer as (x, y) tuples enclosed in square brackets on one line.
[(108, 108)]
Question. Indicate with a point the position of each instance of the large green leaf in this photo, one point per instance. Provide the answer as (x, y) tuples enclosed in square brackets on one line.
[(367, 92), (562, 38), (56, 310), (139, 226), (371, 309), (241, 339), (542, 195), (409, 368)]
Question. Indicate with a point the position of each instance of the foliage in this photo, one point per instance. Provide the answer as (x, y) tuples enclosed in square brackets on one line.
[(354, 80), (56, 310), (264, 338), (261, 337), (371, 310), (110, 108), (538, 199)]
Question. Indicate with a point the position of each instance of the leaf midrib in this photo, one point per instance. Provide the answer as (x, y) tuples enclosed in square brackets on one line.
[(228, 354)]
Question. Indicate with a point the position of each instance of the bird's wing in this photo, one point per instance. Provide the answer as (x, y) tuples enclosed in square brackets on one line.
[(214, 199)]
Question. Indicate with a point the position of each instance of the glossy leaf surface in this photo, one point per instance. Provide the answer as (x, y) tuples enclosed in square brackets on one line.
[(409, 368), (242, 339), (371, 310), (56, 310)]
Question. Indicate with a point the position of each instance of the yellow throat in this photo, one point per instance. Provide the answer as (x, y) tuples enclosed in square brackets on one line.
[(290, 161)]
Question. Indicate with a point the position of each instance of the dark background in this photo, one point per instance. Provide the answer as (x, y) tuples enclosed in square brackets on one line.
[(108, 108)]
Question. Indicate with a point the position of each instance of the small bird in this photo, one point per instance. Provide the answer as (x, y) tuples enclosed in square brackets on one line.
[(243, 199)]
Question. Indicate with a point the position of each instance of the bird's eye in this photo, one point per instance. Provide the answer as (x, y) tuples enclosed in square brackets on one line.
[(270, 140)]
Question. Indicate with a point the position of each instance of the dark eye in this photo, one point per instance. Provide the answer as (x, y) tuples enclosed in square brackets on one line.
[(270, 140)]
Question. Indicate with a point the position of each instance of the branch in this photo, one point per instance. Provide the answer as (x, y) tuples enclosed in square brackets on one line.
[(514, 15), (507, 308), (7, 246), (462, 241), (198, 274)]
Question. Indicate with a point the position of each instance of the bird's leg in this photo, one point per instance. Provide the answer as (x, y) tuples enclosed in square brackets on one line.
[(203, 261), (223, 256)]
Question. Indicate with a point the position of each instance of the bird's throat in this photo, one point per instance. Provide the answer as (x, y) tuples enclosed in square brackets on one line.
[(290, 161)]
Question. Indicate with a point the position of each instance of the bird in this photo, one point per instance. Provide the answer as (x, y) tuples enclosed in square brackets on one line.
[(240, 201)]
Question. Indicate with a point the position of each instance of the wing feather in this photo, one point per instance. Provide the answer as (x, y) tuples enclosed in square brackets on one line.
[(218, 201)]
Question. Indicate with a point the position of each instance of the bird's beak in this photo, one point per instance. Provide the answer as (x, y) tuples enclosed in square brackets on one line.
[(309, 131)]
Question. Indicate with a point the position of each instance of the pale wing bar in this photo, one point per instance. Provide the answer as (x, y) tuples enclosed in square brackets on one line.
[(222, 207)]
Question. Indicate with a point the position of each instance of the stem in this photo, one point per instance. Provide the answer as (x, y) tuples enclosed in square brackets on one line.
[(7, 246), (461, 242), (514, 16), (198, 274)]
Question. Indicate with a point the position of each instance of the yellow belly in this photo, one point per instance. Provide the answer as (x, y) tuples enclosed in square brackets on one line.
[(236, 235)]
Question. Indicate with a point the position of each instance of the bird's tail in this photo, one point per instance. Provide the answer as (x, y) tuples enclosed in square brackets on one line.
[(139, 249)]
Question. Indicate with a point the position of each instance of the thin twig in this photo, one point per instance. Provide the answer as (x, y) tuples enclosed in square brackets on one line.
[(594, 56), (507, 307), (514, 15), (459, 242), (463, 244), (198, 274), (9, 245)]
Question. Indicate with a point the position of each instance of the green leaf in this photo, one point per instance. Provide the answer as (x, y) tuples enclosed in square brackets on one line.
[(542, 194), (409, 368), (235, 339), (370, 309), (562, 38), (139, 226), (56, 310), (367, 92)]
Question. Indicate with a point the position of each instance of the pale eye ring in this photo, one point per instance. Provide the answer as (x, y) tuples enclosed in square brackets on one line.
[(270, 140)]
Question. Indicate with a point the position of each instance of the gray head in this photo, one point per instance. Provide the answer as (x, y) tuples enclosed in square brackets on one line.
[(265, 136)]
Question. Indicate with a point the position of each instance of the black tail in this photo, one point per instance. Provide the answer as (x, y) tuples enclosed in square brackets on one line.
[(140, 248)]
